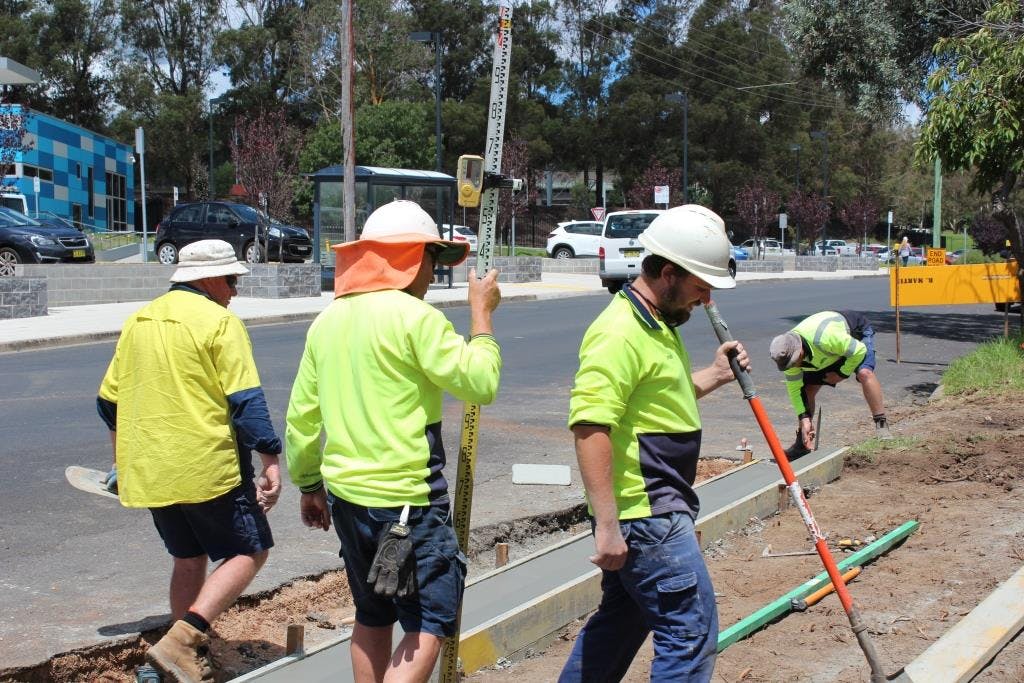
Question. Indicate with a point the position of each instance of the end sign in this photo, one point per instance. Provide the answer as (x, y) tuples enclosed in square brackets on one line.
[(598, 213)]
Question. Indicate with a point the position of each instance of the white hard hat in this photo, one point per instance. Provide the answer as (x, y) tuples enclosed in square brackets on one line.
[(692, 237), (403, 222)]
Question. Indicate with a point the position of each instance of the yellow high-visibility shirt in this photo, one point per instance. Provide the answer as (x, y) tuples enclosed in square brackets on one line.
[(176, 362)]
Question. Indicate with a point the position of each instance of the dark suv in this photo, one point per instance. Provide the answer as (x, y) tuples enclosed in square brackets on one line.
[(240, 225), (23, 240)]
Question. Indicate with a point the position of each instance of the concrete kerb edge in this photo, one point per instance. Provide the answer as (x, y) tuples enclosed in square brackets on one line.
[(111, 335), (527, 624)]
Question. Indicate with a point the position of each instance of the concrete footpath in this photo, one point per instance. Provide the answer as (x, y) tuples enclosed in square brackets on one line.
[(102, 322)]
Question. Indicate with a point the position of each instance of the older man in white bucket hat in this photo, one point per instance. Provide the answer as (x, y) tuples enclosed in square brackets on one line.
[(372, 375), (185, 409)]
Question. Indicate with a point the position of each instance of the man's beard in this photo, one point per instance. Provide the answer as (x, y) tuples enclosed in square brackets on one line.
[(673, 317)]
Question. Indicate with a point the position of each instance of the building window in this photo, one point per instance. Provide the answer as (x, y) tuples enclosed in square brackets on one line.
[(30, 171), (117, 205), (76, 214), (89, 190), (78, 171)]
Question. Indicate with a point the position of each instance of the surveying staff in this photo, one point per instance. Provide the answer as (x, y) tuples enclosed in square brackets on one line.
[(183, 402), (372, 374), (633, 413), (825, 349)]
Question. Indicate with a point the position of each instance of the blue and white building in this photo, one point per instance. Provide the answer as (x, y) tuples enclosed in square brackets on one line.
[(83, 175)]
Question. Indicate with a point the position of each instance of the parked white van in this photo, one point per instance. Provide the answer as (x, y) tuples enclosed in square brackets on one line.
[(619, 251), (14, 200)]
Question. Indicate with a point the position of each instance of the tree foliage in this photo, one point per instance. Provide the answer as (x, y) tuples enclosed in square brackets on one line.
[(756, 206), (975, 119), (13, 142), (808, 212), (265, 156), (862, 214), (641, 193)]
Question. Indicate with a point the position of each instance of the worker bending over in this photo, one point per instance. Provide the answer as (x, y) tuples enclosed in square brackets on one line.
[(825, 349)]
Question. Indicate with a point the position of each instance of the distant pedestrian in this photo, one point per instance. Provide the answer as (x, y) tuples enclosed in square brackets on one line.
[(371, 379), (904, 251), (633, 414), (184, 406), (825, 349)]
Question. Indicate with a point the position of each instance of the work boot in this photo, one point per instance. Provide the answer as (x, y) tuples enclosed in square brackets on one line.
[(798, 449), (183, 654), (882, 432)]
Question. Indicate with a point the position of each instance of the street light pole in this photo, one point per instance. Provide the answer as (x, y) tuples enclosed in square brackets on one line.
[(823, 136), (209, 177), (682, 98), (796, 228)]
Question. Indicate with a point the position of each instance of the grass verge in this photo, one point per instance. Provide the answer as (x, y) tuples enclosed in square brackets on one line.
[(997, 365), (868, 451)]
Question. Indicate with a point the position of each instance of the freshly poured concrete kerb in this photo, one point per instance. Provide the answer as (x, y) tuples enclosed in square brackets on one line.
[(511, 608)]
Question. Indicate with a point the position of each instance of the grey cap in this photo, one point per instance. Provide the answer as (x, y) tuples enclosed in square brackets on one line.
[(784, 350)]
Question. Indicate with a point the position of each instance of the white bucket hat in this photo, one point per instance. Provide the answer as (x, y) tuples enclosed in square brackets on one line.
[(207, 258)]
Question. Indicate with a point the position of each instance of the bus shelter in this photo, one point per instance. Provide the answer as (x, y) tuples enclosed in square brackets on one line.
[(374, 187)]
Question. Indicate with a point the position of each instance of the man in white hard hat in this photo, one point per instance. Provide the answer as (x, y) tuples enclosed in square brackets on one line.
[(376, 363), (633, 413), (185, 409)]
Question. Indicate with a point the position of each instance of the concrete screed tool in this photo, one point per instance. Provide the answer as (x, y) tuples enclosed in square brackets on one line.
[(796, 492)]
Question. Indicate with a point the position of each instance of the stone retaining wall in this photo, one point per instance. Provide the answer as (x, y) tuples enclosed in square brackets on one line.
[(22, 297), (827, 264), (769, 265), (510, 269), (106, 283), (858, 263), (569, 265)]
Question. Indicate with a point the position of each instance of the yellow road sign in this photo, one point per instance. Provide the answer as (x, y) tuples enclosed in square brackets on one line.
[(936, 257), (937, 285)]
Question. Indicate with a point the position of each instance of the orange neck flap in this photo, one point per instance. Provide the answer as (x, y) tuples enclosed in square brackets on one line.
[(368, 266)]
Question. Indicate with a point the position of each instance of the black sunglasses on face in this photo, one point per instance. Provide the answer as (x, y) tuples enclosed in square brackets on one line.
[(232, 280)]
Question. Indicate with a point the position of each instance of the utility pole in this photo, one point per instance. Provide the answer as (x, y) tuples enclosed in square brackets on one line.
[(348, 148), (795, 147), (937, 205), (681, 98)]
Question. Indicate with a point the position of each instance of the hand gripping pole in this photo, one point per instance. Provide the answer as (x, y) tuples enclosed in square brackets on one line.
[(796, 492)]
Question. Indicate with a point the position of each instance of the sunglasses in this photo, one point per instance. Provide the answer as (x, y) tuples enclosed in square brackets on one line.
[(232, 280), (434, 251)]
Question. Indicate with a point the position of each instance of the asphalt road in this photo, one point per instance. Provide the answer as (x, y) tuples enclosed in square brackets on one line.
[(77, 568)]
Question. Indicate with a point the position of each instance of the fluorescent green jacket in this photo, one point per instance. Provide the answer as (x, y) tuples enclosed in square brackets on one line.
[(371, 378), (826, 342), (634, 378)]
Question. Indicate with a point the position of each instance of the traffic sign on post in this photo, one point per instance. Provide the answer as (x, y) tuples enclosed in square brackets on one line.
[(598, 213), (661, 194)]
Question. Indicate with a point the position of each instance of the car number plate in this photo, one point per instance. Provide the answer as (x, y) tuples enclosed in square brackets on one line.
[(78, 253), (631, 253)]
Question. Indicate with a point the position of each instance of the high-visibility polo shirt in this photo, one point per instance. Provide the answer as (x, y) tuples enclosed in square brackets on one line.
[(826, 342), (371, 377), (634, 378), (182, 367)]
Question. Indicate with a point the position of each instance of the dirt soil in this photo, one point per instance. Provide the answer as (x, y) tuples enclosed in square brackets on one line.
[(956, 469), (960, 476)]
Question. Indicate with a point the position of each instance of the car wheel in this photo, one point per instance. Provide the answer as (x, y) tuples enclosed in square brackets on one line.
[(8, 260), (732, 268), (562, 253), (1001, 307), (614, 287), (253, 253), (167, 254)]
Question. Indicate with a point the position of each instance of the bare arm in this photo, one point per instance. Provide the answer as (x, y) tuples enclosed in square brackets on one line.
[(719, 373), (594, 454)]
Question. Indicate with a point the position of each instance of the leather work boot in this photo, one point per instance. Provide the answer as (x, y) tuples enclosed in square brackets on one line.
[(798, 449), (182, 655), (882, 432)]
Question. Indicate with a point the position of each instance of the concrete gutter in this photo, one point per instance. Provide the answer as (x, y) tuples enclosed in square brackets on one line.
[(510, 609)]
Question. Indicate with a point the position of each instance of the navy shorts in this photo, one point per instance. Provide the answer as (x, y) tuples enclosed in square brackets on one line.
[(864, 333), (440, 566), (228, 525)]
